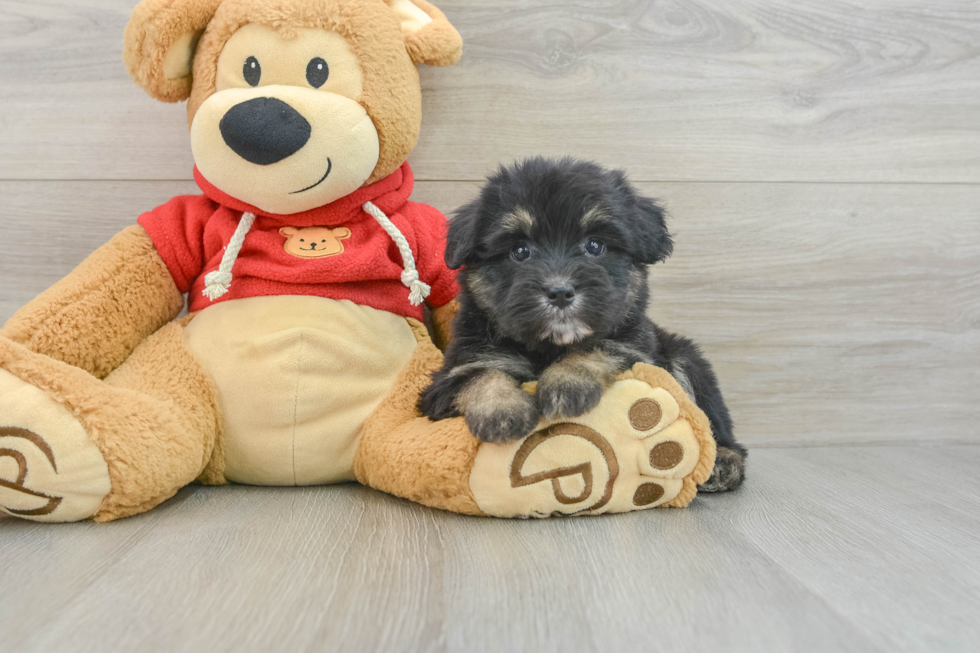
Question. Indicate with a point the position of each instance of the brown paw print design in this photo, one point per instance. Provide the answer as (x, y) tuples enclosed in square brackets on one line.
[(18, 484), (635, 450)]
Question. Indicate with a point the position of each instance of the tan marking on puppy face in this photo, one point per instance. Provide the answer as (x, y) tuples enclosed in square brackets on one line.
[(637, 280), (519, 219), (480, 290), (594, 216), (314, 242)]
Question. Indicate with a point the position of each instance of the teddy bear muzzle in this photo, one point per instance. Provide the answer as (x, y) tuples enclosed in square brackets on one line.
[(284, 149)]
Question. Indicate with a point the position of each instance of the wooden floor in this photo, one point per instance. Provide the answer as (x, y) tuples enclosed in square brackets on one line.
[(820, 160), (826, 549)]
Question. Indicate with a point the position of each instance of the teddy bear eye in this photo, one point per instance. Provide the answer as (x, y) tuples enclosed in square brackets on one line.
[(317, 72), (252, 71), (302, 240), (324, 240)]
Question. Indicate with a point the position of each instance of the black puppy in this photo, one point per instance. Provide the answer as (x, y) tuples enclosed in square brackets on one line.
[(554, 289)]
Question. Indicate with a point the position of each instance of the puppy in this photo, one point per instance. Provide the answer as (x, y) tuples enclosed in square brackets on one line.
[(554, 257)]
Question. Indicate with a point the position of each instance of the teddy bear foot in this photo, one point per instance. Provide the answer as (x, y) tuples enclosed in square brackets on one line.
[(50, 470), (645, 445)]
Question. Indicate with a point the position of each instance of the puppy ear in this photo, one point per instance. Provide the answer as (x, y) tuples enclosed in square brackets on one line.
[(429, 38), (653, 241), (160, 42), (462, 237)]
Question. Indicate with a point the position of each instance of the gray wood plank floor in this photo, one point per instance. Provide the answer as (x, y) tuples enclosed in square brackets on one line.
[(821, 164), (826, 549)]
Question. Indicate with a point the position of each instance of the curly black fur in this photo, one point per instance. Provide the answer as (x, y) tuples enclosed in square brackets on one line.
[(542, 232)]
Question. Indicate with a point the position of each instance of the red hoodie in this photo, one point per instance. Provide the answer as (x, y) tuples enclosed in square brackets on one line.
[(191, 232)]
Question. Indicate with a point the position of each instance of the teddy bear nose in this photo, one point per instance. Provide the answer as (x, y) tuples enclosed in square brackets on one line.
[(264, 130)]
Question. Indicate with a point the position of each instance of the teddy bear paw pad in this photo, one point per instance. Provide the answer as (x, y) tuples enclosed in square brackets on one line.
[(50, 470), (632, 452)]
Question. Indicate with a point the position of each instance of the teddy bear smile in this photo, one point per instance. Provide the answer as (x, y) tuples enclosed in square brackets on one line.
[(322, 179)]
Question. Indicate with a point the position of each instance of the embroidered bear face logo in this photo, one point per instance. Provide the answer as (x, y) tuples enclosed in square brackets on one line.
[(314, 242)]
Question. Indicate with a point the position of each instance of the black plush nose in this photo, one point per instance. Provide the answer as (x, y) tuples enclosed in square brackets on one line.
[(561, 296), (264, 130)]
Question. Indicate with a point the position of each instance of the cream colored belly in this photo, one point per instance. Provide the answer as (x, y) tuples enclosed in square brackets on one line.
[(297, 377)]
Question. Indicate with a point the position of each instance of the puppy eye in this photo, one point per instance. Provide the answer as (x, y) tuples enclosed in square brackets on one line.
[(594, 246), (521, 252), (252, 71), (317, 72)]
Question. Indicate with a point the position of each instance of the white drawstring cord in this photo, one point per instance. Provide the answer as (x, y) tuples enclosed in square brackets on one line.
[(410, 275), (216, 283)]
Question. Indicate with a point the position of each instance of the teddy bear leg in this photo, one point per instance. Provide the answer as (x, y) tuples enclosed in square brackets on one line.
[(73, 447), (645, 445), (409, 456)]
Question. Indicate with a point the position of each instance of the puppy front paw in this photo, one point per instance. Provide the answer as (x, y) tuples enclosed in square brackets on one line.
[(565, 395), (510, 420), (438, 401)]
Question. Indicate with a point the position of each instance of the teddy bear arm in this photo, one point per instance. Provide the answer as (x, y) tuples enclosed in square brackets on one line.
[(96, 316)]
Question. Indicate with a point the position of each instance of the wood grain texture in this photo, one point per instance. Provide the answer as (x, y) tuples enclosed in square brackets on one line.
[(833, 313), (809, 90), (836, 549)]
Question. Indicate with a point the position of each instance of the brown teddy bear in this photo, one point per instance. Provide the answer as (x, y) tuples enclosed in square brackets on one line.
[(306, 268)]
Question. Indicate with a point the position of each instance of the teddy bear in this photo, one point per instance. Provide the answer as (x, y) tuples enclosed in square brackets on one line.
[(307, 270)]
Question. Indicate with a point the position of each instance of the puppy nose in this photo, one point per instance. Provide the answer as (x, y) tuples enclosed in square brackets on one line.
[(561, 296), (264, 130)]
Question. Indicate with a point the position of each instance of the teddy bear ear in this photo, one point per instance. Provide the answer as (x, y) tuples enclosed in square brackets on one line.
[(159, 44), (429, 37), (288, 231)]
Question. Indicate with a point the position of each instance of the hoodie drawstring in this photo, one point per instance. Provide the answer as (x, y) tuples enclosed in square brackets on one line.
[(410, 275), (218, 282)]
